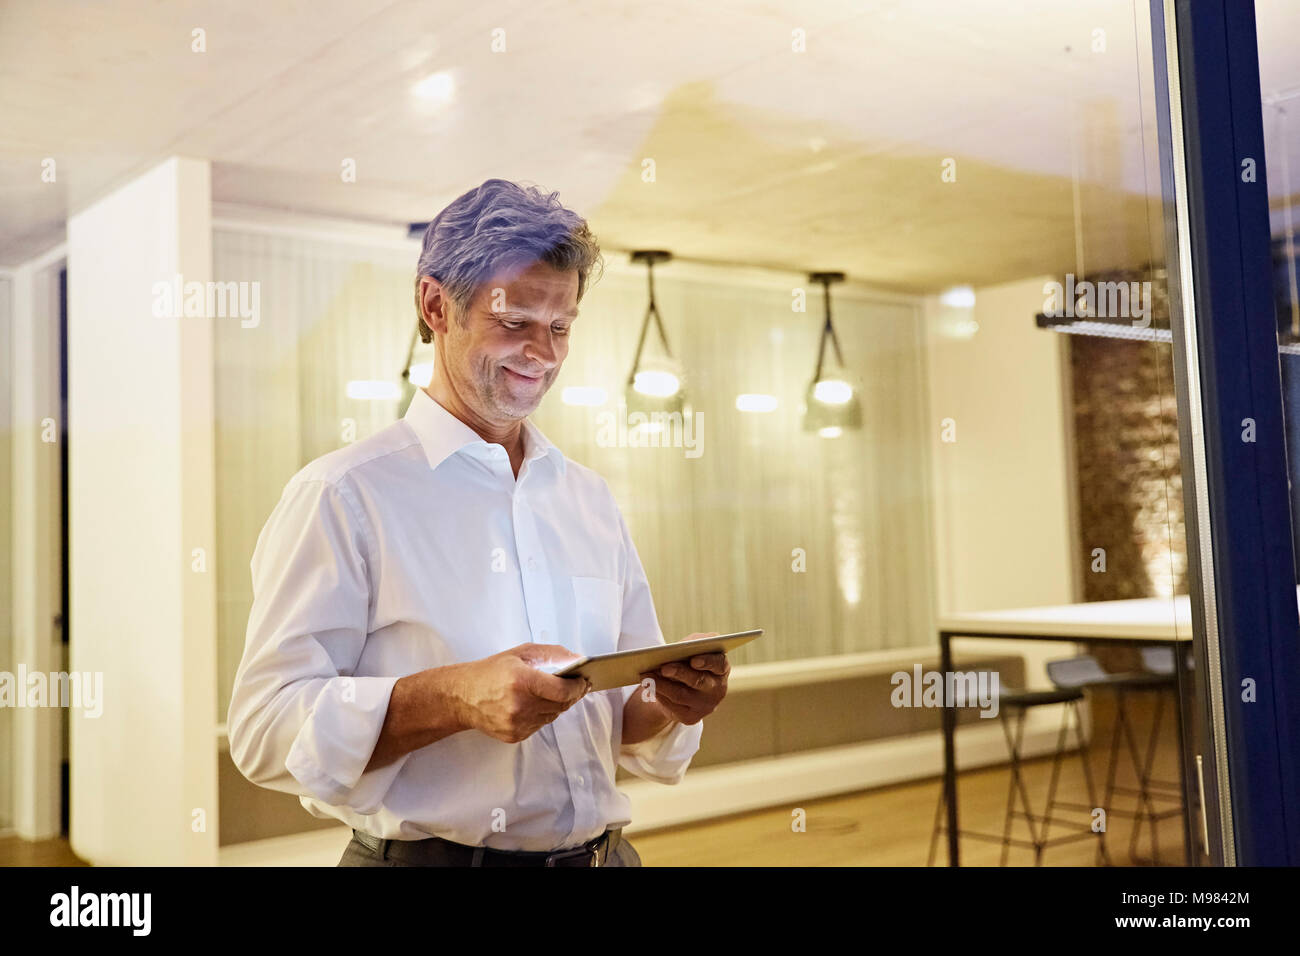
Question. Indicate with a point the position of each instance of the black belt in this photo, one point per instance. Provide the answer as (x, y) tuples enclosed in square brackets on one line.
[(438, 852)]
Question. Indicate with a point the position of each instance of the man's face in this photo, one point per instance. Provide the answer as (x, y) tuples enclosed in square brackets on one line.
[(515, 339)]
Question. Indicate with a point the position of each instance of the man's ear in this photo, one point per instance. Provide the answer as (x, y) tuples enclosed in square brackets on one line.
[(434, 304)]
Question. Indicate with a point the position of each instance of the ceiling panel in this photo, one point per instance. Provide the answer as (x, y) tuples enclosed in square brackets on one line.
[(828, 158)]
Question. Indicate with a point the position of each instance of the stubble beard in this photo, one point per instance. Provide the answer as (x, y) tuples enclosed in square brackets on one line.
[(494, 388)]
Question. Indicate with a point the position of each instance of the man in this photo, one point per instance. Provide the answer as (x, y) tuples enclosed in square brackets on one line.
[(408, 587)]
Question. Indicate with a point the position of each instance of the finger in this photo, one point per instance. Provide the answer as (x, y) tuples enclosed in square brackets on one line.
[(680, 673), (586, 689), (549, 710), (714, 663), (548, 714), (655, 676), (557, 689), (681, 709), (675, 692)]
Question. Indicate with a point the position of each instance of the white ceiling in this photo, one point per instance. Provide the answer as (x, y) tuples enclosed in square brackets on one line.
[(826, 159)]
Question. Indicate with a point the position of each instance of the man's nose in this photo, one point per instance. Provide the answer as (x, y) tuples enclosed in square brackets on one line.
[(541, 347)]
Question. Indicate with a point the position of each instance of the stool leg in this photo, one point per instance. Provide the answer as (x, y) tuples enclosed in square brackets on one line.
[(1143, 770), (1018, 783), (1144, 782), (1011, 792), (1056, 772), (1112, 762), (934, 832), (1144, 797), (1084, 759)]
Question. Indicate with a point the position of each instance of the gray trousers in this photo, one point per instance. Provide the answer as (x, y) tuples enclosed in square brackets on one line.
[(358, 854)]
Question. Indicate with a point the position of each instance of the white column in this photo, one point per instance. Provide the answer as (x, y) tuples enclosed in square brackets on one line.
[(34, 514), (141, 524)]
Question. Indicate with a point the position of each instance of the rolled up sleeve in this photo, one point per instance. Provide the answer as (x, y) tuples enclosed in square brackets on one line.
[(299, 720), (664, 757)]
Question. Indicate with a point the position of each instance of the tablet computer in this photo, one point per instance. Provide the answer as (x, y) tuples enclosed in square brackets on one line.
[(607, 671)]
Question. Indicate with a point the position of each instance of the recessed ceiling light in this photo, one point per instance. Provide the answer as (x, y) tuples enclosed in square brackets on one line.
[(959, 297), (436, 87)]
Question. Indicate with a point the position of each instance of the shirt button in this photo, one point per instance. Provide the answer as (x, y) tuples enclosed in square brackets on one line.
[(532, 564), (581, 781)]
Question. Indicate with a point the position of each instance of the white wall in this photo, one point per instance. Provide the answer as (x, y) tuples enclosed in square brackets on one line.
[(140, 417), (1002, 490)]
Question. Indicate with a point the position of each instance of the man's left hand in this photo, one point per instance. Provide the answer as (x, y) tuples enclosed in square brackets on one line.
[(691, 690)]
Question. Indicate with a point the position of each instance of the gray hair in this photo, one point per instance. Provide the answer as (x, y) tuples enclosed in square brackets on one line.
[(499, 225)]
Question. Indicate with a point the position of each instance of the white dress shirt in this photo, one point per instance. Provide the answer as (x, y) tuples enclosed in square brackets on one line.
[(416, 548)]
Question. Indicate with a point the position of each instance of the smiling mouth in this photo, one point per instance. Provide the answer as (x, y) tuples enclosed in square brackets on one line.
[(530, 379)]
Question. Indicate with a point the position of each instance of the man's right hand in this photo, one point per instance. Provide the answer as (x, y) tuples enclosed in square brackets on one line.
[(508, 698)]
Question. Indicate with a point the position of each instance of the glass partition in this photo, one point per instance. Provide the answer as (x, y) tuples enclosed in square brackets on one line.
[(918, 298), (1278, 30)]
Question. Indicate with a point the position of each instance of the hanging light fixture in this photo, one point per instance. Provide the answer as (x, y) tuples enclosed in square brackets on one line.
[(654, 384), (831, 404)]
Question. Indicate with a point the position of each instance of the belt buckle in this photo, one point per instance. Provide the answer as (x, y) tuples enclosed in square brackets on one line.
[(586, 850)]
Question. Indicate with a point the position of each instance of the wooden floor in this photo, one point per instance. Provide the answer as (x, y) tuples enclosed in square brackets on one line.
[(18, 852), (889, 826), (885, 827), (892, 827)]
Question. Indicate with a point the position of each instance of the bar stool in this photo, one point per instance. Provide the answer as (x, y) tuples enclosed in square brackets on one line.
[(1084, 671), (1022, 701)]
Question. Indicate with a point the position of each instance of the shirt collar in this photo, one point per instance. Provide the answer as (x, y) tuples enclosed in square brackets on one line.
[(442, 434)]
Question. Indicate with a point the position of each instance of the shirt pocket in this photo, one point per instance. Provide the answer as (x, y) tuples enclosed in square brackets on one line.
[(598, 615)]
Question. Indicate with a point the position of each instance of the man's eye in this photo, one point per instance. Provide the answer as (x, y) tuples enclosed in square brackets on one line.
[(512, 326), (560, 329)]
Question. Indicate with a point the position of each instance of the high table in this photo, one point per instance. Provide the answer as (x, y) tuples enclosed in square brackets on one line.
[(1145, 621)]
